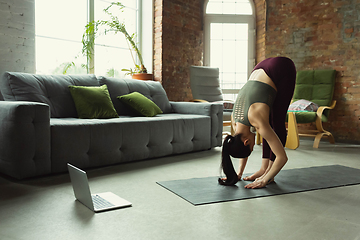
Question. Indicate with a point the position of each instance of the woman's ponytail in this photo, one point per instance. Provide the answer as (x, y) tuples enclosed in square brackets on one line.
[(232, 146), (226, 164)]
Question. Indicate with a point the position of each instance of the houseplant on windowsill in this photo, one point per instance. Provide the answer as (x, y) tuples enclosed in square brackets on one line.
[(92, 30)]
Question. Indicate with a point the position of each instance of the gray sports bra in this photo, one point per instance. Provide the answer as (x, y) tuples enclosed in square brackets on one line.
[(252, 92)]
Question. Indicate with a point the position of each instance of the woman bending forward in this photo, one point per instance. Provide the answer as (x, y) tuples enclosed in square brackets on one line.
[(262, 103)]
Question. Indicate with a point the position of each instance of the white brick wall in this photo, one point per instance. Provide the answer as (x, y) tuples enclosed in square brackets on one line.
[(17, 36)]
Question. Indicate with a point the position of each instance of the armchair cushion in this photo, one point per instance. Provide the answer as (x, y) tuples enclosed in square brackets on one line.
[(316, 86), (307, 117)]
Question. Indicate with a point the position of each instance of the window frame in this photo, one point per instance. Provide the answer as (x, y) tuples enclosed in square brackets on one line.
[(231, 18), (144, 28)]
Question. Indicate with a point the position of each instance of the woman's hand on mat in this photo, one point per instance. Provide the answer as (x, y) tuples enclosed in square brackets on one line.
[(258, 183)]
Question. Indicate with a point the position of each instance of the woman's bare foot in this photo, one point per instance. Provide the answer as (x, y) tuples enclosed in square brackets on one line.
[(259, 183), (262, 177), (265, 173), (256, 175), (271, 181), (261, 172)]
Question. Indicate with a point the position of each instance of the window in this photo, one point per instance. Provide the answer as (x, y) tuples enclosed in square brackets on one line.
[(239, 7), (58, 34), (111, 53), (59, 26), (230, 42)]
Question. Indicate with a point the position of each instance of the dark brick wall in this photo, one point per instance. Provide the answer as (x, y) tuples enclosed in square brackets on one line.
[(260, 7), (178, 44)]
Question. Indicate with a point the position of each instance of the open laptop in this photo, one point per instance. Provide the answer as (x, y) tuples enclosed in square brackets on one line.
[(96, 202)]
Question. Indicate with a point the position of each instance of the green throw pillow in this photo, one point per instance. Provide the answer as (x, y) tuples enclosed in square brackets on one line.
[(93, 102), (140, 104)]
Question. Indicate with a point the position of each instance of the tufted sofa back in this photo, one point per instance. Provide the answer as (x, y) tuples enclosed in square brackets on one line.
[(49, 89), (53, 90), (151, 89)]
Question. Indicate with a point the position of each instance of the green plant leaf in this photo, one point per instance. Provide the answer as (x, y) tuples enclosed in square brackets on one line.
[(92, 31)]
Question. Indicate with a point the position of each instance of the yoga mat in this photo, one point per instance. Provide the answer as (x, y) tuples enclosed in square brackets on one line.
[(206, 190)]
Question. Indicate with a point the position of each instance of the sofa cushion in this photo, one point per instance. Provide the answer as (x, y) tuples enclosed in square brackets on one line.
[(99, 142), (49, 89), (151, 89), (93, 102), (140, 104)]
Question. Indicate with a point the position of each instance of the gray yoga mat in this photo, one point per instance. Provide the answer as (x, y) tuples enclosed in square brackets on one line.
[(206, 190)]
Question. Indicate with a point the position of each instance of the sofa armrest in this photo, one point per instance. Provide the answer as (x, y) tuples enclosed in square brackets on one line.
[(202, 108), (214, 110), (24, 139)]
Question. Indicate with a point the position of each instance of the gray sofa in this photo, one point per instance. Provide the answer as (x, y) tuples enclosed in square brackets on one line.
[(40, 130)]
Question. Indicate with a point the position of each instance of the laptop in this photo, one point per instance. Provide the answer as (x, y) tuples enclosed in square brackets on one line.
[(96, 202)]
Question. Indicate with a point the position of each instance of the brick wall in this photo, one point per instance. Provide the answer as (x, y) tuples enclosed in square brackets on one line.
[(260, 9), (322, 35), (178, 44), (17, 36)]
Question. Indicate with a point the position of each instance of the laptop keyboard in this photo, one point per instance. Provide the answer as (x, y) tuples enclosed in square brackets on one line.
[(100, 203)]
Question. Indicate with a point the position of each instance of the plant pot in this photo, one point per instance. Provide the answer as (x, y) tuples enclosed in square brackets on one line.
[(142, 76)]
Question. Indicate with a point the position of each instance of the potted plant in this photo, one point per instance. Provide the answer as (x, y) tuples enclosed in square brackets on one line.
[(92, 30)]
